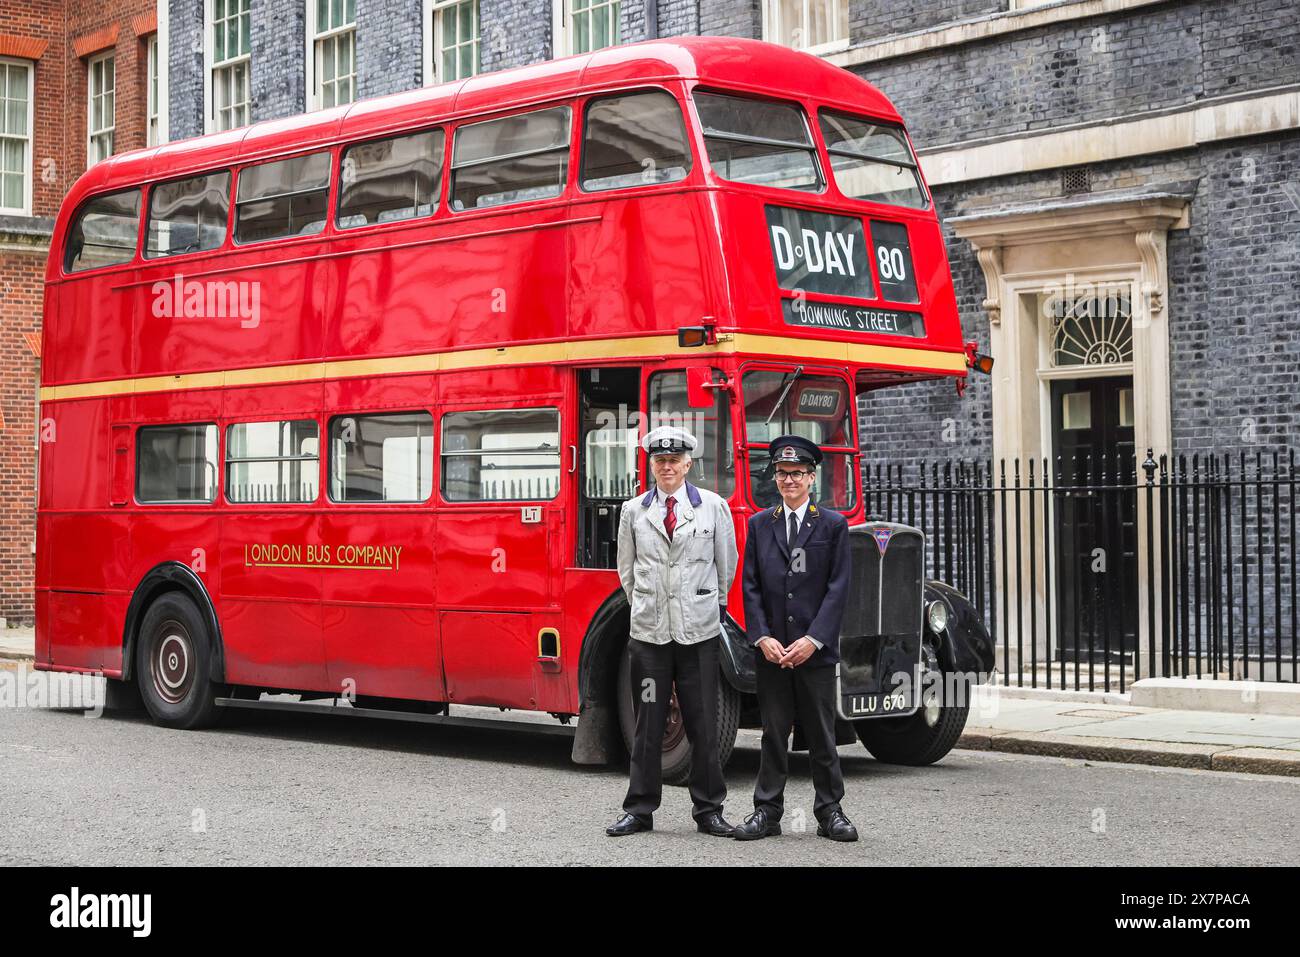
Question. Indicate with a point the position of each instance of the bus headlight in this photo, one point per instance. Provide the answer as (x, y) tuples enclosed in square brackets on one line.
[(936, 616)]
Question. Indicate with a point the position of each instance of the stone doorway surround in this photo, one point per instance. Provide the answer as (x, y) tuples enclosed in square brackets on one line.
[(1099, 241)]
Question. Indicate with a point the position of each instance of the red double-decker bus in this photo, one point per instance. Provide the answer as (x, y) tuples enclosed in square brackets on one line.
[(346, 404)]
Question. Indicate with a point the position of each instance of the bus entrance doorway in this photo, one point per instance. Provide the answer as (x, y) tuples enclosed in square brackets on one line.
[(609, 404)]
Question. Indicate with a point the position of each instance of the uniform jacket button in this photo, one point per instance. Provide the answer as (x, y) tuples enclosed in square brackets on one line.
[(789, 618), (789, 594)]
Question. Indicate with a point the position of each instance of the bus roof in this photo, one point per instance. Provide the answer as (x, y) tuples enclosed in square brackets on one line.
[(723, 62)]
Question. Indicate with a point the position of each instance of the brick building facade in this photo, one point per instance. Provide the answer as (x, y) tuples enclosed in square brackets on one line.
[(1077, 149), (46, 51)]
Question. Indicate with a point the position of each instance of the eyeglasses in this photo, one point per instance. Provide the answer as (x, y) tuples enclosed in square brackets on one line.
[(792, 475)]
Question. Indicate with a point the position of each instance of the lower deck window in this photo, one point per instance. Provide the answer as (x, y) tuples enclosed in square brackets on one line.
[(501, 455), (273, 461), (381, 458), (176, 463)]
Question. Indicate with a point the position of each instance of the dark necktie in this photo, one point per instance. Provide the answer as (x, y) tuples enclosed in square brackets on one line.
[(794, 530), (670, 520)]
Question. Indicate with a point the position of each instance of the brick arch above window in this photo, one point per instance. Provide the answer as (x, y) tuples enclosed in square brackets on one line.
[(96, 42), (23, 48)]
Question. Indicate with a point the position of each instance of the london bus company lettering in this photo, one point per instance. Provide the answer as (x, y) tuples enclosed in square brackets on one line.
[(297, 555)]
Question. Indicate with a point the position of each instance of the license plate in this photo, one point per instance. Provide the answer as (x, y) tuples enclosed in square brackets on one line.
[(878, 676), (877, 705)]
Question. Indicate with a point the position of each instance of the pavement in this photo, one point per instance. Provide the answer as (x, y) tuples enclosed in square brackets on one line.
[(1018, 722), (1089, 726)]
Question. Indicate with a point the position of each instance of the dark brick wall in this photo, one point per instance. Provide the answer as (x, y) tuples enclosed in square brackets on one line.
[(185, 69), (514, 32), (390, 51), (1092, 69), (676, 18), (1234, 301), (731, 18), (1231, 309), (874, 19), (278, 41)]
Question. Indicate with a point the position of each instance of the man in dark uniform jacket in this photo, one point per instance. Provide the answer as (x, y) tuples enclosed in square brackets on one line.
[(797, 573)]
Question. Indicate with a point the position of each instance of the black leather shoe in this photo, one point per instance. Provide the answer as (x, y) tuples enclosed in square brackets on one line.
[(837, 827), (756, 825), (629, 824), (714, 824)]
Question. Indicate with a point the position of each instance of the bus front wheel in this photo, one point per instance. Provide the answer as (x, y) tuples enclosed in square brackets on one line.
[(173, 664), (677, 747)]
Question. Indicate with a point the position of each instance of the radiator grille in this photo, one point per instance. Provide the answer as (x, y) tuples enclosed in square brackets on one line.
[(893, 579)]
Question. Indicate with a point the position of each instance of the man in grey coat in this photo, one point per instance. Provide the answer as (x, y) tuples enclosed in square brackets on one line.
[(677, 557)]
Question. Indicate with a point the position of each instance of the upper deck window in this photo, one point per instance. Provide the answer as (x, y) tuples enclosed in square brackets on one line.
[(632, 140), (872, 161), (188, 215), (104, 232), (390, 180), (758, 141), (511, 160), (285, 198)]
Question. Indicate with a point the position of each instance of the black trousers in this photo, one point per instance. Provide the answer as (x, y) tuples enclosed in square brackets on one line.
[(694, 669), (809, 692)]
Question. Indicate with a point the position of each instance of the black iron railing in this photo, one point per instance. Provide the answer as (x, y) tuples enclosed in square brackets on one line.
[(1094, 572)]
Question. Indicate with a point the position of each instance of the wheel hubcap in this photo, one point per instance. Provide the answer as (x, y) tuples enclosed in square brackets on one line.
[(171, 664), (931, 710), (675, 729)]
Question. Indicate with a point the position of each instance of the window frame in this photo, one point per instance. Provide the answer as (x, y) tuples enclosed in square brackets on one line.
[(562, 19), (432, 37), (571, 146), (814, 146), (147, 213), (756, 449), (914, 166), (212, 66), (727, 420), (312, 72), (220, 450), (327, 478), (227, 461), (580, 140), (527, 404), (436, 199), (28, 166), (152, 71), (331, 198), (64, 265), (772, 27), (95, 67)]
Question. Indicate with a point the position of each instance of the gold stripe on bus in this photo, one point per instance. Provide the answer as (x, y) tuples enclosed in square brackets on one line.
[(549, 353)]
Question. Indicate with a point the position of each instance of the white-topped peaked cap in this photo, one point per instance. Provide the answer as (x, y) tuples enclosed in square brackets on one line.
[(668, 440)]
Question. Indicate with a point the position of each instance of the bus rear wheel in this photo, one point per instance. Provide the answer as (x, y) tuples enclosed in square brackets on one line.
[(677, 747), (919, 739), (173, 664)]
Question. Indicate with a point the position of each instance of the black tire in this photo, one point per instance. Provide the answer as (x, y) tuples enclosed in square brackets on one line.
[(677, 748), (913, 741), (173, 664)]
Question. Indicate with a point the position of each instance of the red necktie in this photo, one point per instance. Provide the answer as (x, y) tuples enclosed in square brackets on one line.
[(670, 520)]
